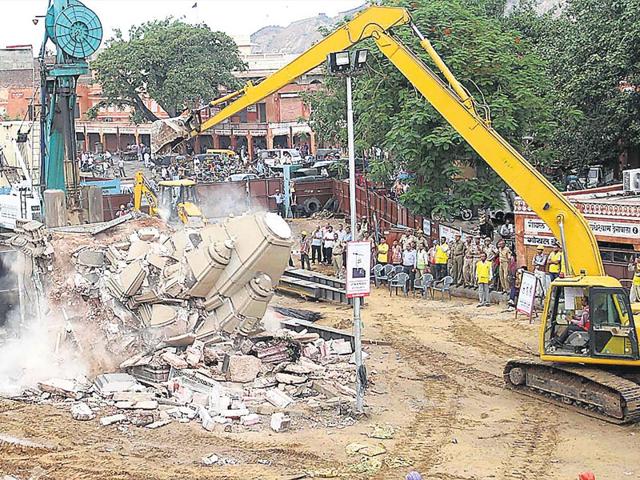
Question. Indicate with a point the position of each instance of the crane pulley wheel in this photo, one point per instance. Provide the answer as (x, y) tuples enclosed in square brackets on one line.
[(77, 31)]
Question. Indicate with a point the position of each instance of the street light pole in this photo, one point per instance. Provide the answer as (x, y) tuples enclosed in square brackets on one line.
[(352, 210)]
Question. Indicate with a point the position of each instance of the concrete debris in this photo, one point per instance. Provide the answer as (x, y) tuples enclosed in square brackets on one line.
[(278, 398), (182, 312), (110, 420), (243, 368), (82, 411), (110, 383), (280, 422), (366, 449)]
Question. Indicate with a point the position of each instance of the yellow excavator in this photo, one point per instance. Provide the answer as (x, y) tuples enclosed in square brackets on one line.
[(178, 200), (595, 370)]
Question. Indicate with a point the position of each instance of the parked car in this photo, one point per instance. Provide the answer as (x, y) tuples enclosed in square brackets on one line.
[(280, 156), (242, 177)]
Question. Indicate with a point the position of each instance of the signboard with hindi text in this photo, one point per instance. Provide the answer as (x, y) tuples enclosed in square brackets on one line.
[(527, 295), (358, 269)]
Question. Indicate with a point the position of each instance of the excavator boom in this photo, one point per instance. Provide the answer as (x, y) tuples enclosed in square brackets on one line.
[(453, 103)]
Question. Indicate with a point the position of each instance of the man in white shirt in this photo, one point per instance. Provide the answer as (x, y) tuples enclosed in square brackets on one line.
[(329, 242), (341, 233)]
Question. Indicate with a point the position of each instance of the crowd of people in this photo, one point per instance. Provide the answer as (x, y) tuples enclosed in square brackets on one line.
[(473, 262)]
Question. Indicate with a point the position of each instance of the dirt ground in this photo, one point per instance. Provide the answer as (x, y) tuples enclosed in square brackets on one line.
[(438, 383)]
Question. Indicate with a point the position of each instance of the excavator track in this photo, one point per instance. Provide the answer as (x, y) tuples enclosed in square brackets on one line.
[(590, 391)]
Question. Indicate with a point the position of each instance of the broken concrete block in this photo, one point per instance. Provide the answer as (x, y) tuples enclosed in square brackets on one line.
[(105, 421), (298, 368), (243, 368), (148, 234), (158, 424), (194, 354), (242, 412), (340, 347), (162, 315), (280, 422), (59, 386), (81, 411), (251, 419), (278, 398), (138, 250), (90, 258), (110, 383), (265, 382), (290, 379), (142, 405), (132, 396), (174, 360)]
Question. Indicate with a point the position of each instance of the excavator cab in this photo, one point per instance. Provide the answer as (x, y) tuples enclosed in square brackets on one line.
[(179, 202), (582, 320)]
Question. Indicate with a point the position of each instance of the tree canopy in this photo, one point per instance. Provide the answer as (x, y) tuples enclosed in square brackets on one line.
[(490, 58), (177, 64)]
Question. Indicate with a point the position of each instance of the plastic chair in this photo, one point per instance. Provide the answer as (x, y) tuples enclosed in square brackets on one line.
[(422, 283), (399, 280), (397, 269), (443, 286), (378, 275), (387, 273)]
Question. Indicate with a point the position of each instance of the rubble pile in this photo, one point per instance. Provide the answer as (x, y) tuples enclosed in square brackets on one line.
[(182, 313), (215, 280), (227, 386)]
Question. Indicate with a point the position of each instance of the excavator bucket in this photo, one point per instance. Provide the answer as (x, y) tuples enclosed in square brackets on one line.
[(168, 133)]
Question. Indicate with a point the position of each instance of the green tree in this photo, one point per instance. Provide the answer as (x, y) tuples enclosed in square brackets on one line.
[(592, 50), (177, 64), (491, 59)]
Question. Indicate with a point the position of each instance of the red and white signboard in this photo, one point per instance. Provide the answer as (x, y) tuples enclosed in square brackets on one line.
[(527, 295), (358, 269)]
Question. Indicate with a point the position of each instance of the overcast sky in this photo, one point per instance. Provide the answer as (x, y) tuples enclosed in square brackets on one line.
[(236, 17)]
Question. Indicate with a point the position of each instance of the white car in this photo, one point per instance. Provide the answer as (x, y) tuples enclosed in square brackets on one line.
[(241, 177), (281, 156)]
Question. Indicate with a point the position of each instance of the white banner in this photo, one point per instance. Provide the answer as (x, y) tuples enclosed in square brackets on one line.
[(426, 227), (241, 133), (358, 269), (222, 131), (534, 226), (449, 233), (258, 133), (537, 240), (616, 229), (527, 293), (599, 227)]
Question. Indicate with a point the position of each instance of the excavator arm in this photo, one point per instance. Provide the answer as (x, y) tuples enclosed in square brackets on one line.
[(581, 251)]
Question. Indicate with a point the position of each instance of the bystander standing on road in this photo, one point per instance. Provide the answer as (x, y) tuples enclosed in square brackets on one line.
[(396, 253), (422, 260), (336, 253), (492, 257), (121, 172), (504, 256), (458, 249), (441, 259), (329, 242), (409, 260), (539, 267), (484, 275), (316, 245), (468, 266), (305, 248), (554, 262), (383, 252)]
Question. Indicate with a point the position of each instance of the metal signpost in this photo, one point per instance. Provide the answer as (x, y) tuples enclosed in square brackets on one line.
[(358, 257)]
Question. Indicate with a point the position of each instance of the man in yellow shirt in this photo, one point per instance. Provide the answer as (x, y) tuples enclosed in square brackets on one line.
[(484, 275), (441, 259), (554, 262), (383, 252)]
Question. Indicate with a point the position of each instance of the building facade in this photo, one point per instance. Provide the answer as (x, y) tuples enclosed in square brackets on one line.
[(614, 219)]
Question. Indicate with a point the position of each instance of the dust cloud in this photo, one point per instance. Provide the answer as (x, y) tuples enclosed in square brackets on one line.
[(36, 349)]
